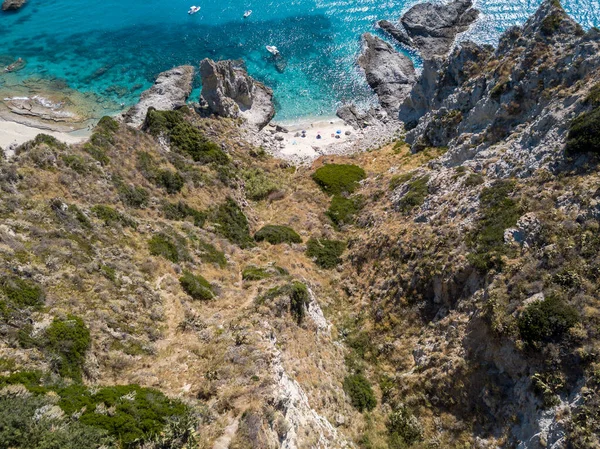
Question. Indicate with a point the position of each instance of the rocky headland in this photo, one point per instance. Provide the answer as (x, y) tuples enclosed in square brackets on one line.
[(12, 5)]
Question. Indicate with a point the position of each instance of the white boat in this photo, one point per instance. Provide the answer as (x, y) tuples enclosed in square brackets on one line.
[(273, 50), (194, 10), (247, 14)]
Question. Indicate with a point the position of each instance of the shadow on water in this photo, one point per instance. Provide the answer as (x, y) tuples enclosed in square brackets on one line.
[(119, 64)]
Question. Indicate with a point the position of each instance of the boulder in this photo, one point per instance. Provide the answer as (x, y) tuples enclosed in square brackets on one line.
[(228, 91), (12, 5), (355, 118), (432, 28), (170, 91), (389, 73)]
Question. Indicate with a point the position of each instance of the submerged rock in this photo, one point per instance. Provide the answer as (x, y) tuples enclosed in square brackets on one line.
[(389, 73), (228, 91), (170, 91), (12, 5)]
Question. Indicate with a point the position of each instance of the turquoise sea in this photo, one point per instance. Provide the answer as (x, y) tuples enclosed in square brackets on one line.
[(115, 48)]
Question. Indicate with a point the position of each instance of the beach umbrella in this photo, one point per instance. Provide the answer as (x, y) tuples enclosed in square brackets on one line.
[(339, 131)]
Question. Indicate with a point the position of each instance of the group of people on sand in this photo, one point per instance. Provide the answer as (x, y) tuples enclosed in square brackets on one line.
[(337, 135)]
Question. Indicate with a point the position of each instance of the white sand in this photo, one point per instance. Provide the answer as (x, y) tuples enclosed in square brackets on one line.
[(14, 133), (310, 147)]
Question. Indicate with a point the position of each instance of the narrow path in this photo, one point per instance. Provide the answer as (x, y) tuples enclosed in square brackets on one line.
[(224, 440)]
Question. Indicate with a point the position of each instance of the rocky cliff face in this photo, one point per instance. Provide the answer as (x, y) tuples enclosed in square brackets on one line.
[(170, 91), (515, 102), (228, 91)]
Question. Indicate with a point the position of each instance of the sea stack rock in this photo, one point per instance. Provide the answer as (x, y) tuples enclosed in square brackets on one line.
[(12, 5), (228, 91), (170, 91), (389, 73), (432, 28)]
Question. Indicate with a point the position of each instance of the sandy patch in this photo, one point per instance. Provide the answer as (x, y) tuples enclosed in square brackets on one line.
[(12, 134), (310, 146)]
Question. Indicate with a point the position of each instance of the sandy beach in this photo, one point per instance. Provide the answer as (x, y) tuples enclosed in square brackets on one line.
[(12, 133)]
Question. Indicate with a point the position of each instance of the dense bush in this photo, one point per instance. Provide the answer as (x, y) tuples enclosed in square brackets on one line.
[(337, 179), (196, 286), (210, 254), (398, 180), (584, 133), (171, 181), (134, 196), (326, 253), (165, 246), (184, 136), (180, 211), (474, 179), (299, 299), (342, 210), (68, 340), (76, 163), (358, 388), (258, 185), (415, 195), (21, 293), (498, 212), (111, 216), (275, 234), (403, 428), (546, 320), (254, 273), (232, 224)]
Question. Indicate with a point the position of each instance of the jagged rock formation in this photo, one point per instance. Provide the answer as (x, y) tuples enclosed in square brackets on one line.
[(355, 118), (12, 5), (170, 91), (228, 91), (516, 101), (432, 28), (389, 73)]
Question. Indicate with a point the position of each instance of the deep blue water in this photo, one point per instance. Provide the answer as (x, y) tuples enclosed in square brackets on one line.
[(115, 48)]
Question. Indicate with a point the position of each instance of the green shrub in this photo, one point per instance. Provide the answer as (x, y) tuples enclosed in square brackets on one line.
[(180, 211), (164, 246), (108, 124), (474, 179), (69, 340), (171, 181), (498, 212), (136, 413), (342, 210), (22, 292), (546, 320), (232, 224), (358, 388), (184, 136), (336, 179), (83, 220), (110, 216), (196, 286), (403, 428), (258, 185), (326, 253), (415, 195), (134, 196), (551, 23), (253, 273), (210, 254), (96, 152), (299, 299), (593, 98), (398, 180), (275, 234), (76, 163), (584, 133)]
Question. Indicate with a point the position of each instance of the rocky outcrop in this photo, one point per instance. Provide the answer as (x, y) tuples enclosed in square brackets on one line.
[(515, 102), (432, 28), (12, 5), (170, 91), (355, 118), (228, 91), (389, 73)]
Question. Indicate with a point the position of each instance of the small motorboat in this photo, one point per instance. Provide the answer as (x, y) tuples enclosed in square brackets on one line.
[(273, 50), (17, 65), (247, 14), (193, 10)]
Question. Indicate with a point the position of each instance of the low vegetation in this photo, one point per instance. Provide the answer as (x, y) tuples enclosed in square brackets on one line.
[(167, 247), (196, 286), (299, 299), (338, 179), (180, 211), (415, 195), (342, 210), (232, 224), (111, 216), (258, 184), (584, 133), (360, 392), (547, 320), (326, 253), (276, 234), (68, 339)]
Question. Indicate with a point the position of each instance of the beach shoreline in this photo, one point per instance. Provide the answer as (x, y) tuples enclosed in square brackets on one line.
[(13, 134)]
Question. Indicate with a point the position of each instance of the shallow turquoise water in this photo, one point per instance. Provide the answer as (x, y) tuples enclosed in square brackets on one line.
[(115, 48)]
